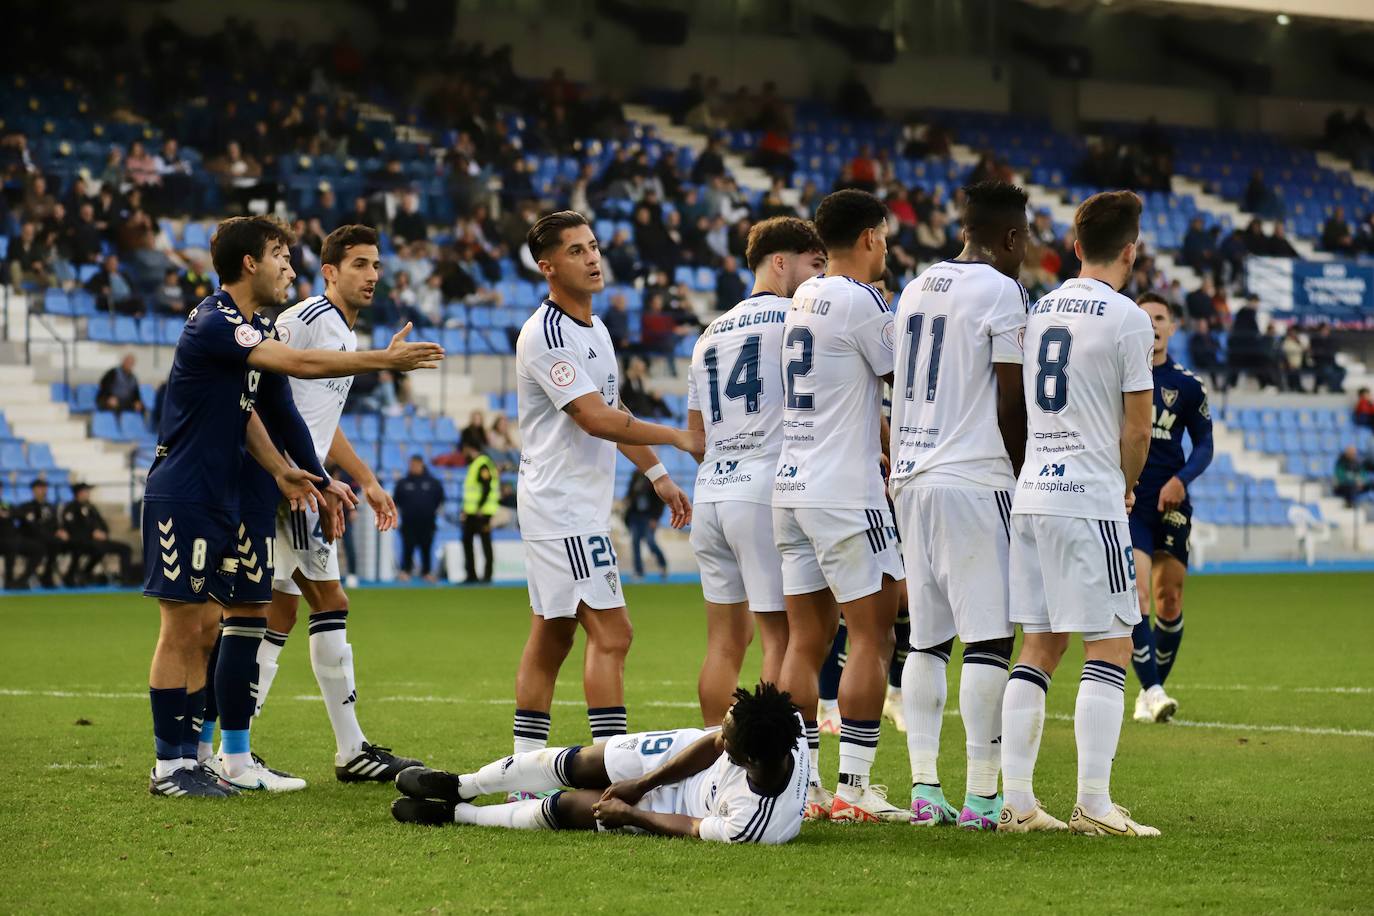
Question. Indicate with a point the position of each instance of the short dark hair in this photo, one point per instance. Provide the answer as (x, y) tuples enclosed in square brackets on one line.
[(546, 233), (243, 235), (844, 215), (993, 207), (337, 243), (789, 234), (766, 725), (1106, 223), (1154, 298)]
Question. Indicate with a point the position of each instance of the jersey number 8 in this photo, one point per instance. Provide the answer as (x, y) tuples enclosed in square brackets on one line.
[(1052, 377)]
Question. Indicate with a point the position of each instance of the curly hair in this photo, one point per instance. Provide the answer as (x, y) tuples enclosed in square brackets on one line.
[(766, 724)]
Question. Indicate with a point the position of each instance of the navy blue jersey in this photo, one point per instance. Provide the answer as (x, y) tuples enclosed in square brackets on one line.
[(1180, 404), (209, 397)]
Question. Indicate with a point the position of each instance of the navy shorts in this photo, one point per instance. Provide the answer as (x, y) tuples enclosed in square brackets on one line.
[(255, 547), (189, 551), (1154, 532)]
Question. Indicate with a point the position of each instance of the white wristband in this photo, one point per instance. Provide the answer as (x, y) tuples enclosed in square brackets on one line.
[(655, 472)]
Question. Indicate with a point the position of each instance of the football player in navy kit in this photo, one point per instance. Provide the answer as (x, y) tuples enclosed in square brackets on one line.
[(1162, 517)]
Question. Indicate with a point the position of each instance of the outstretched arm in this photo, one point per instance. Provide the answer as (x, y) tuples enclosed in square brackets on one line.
[(596, 418), (401, 356)]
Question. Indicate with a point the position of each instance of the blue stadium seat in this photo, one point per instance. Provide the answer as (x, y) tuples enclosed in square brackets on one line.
[(83, 303), (422, 429), (125, 330), (84, 399), (40, 456), (348, 424), (58, 392), (55, 302), (12, 456), (369, 427), (196, 235), (105, 425), (394, 430), (132, 426), (100, 328), (445, 430)]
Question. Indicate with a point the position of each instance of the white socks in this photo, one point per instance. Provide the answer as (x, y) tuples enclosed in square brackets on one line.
[(1097, 728), (537, 771), (923, 703), (531, 814), (269, 651), (981, 686), (331, 657), (1023, 721)]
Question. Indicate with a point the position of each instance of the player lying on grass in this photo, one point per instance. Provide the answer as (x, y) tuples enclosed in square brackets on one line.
[(743, 783)]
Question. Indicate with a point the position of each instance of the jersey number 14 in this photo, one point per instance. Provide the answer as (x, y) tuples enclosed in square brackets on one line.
[(744, 381)]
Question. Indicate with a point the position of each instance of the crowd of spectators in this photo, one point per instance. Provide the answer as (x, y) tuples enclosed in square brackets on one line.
[(47, 545)]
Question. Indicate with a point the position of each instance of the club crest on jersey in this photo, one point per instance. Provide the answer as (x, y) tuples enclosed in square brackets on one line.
[(613, 581), (283, 334), (562, 373), (247, 336), (1170, 395), (197, 583), (889, 335)]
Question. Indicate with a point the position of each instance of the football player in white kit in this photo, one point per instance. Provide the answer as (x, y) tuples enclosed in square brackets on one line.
[(571, 424), (830, 517), (734, 394), (306, 563), (1089, 388), (958, 436), (744, 782)]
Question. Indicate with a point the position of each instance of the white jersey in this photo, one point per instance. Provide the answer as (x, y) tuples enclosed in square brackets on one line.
[(317, 324), (731, 811), (837, 346), (954, 321), (567, 477), (736, 383), (1086, 344)]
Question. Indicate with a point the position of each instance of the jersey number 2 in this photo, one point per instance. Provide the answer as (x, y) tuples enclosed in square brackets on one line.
[(744, 381), (799, 367), (913, 343)]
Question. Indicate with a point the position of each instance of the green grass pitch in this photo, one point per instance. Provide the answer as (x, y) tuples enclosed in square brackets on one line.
[(1260, 790)]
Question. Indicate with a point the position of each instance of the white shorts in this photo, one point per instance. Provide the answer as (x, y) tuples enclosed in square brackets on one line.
[(565, 572), (733, 543), (301, 546), (954, 547), (1073, 575), (846, 550), (631, 756)]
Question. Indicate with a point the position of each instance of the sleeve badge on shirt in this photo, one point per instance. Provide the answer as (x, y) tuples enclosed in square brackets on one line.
[(247, 336), (889, 335), (283, 334), (562, 373), (1170, 395)]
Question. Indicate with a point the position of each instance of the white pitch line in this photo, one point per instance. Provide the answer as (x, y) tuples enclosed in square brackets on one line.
[(682, 704), (1274, 688)]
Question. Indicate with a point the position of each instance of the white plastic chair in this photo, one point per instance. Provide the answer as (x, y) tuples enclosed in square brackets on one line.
[(1203, 537), (1310, 531)]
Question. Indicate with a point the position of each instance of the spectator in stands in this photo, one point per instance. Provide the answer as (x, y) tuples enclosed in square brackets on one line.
[(170, 298), (643, 511), (1248, 350), (15, 548), (1350, 479), (407, 301), (174, 171), (409, 224), (1325, 369), (1293, 358), (38, 203), (932, 238), (652, 240), (30, 259), (475, 433), (140, 168), (1336, 235), (1259, 197), (112, 174), (1201, 302), (39, 524), (1199, 247), (418, 497), (1278, 245), (503, 440), (240, 175), (863, 170), (1364, 410), (84, 235), (730, 288), (119, 388), (113, 290), (1204, 352), (710, 162), (635, 393), (195, 282), (89, 538), (617, 321)]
